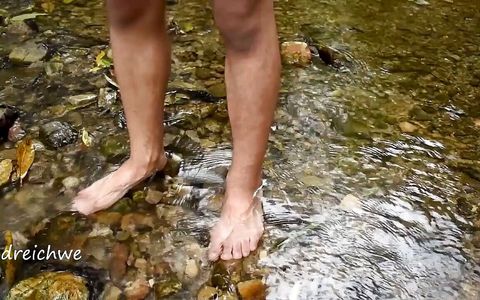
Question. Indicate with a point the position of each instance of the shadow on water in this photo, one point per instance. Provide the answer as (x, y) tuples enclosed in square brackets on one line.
[(373, 171)]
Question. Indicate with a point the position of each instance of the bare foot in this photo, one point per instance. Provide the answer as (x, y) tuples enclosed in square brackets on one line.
[(105, 192), (239, 229)]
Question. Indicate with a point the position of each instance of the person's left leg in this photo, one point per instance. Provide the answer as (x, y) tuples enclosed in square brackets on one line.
[(252, 71)]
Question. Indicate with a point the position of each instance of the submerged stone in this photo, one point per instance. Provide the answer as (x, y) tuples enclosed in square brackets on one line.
[(29, 52), (137, 290), (407, 127), (207, 293), (50, 285), (107, 97), (167, 287), (58, 134), (218, 90), (252, 290)]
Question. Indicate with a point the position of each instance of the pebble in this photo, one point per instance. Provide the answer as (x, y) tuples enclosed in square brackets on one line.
[(153, 196), (81, 99), (207, 293), (407, 127), (118, 262), (111, 292), (252, 290), (71, 182), (137, 290), (191, 268)]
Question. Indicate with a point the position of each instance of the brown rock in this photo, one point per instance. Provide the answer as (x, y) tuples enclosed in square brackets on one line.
[(296, 53), (108, 218), (118, 262), (134, 222), (407, 127), (137, 290), (252, 290), (476, 122)]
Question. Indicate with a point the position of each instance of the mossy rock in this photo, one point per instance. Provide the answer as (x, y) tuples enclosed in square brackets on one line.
[(50, 286)]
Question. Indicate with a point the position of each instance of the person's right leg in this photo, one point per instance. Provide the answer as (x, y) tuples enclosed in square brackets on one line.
[(141, 52)]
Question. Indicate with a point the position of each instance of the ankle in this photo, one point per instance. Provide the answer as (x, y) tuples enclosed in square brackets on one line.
[(243, 186), (149, 163)]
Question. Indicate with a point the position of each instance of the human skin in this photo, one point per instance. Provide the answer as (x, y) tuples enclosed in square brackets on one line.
[(141, 52)]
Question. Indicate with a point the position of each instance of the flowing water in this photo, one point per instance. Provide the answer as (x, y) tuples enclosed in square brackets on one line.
[(373, 170)]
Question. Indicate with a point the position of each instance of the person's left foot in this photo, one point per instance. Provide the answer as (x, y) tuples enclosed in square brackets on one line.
[(105, 192), (239, 229)]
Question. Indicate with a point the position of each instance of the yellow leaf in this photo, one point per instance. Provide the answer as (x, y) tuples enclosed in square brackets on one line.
[(10, 265), (86, 138), (25, 157), (99, 57), (5, 170)]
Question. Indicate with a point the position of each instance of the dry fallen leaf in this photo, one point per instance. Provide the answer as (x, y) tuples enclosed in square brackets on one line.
[(5, 170), (86, 138), (25, 157), (10, 264)]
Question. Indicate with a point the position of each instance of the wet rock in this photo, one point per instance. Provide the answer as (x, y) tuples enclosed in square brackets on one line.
[(419, 114), (225, 274), (252, 290), (8, 116), (218, 90), (167, 287), (100, 230), (83, 99), (51, 285), (137, 290), (29, 52), (111, 292), (296, 53), (6, 168), (107, 97), (114, 148), (53, 68), (213, 126), (207, 293), (326, 55), (19, 27), (16, 132), (118, 262), (153, 196), (407, 127), (58, 134), (108, 218), (134, 222), (142, 265), (191, 268), (71, 182), (203, 73)]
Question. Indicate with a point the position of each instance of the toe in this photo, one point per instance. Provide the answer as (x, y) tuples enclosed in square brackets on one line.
[(245, 247), (254, 242), (237, 250), (227, 251)]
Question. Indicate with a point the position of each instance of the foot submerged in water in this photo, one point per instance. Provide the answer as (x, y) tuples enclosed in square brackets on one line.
[(105, 192), (239, 229)]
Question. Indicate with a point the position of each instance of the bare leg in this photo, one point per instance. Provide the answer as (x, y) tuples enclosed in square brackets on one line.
[(252, 80), (141, 50)]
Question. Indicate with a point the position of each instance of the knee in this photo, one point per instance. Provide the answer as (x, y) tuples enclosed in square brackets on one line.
[(238, 22), (124, 13)]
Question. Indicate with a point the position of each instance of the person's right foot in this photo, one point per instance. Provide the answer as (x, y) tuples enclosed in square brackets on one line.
[(105, 192)]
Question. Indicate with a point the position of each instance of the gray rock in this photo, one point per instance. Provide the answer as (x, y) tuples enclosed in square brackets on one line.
[(29, 52), (58, 134)]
